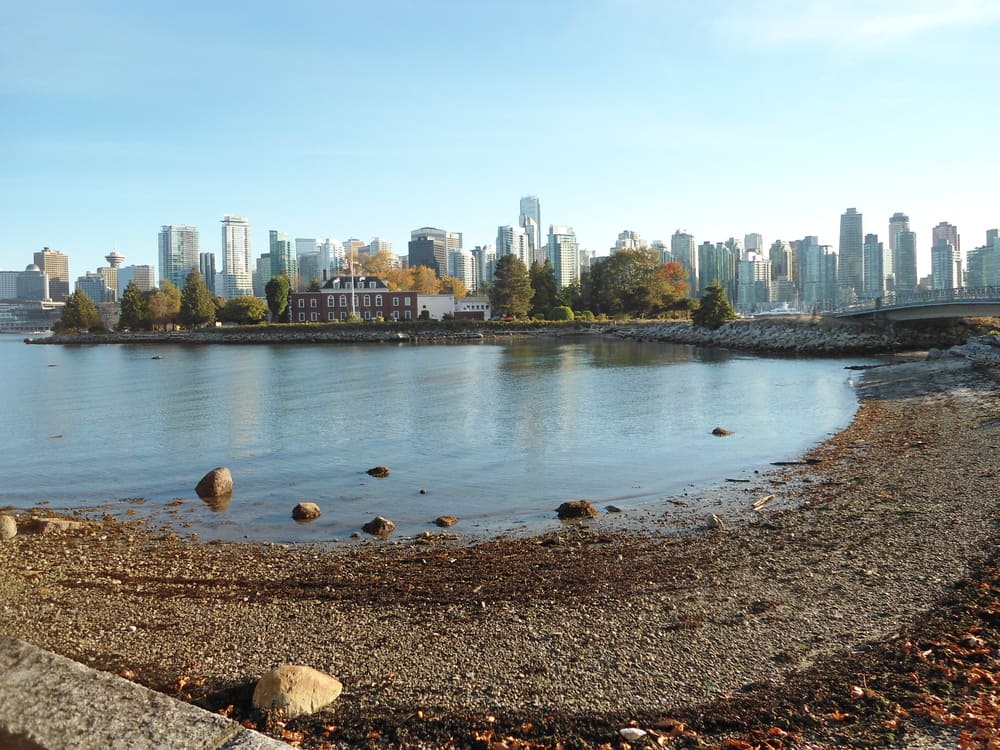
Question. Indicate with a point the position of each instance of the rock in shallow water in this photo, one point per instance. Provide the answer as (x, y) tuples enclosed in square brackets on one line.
[(576, 509), (216, 483), (305, 512), (379, 526)]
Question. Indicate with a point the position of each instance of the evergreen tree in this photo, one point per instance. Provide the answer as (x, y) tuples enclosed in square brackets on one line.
[(543, 281), (277, 291), (511, 293), (197, 307), (79, 314), (715, 308), (135, 309), (243, 310)]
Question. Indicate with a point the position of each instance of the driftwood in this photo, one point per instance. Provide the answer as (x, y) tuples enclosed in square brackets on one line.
[(761, 502)]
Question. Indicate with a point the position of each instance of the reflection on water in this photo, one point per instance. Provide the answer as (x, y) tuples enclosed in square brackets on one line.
[(495, 434)]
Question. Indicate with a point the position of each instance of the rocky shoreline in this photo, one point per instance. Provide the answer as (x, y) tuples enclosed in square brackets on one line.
[(567, 639), (791, 335)]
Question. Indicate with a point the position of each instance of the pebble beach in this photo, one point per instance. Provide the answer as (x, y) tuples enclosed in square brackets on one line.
[(570, 636)]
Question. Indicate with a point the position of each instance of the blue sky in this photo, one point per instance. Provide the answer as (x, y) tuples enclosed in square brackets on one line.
[(347, 119)]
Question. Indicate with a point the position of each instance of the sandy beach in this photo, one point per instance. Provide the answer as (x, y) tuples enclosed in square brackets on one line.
[(693, 637)]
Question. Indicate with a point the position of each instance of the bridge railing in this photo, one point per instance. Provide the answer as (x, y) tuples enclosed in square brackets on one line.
[(919, 299)]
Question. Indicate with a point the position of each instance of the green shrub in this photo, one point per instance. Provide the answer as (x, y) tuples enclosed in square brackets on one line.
[(562, 312)]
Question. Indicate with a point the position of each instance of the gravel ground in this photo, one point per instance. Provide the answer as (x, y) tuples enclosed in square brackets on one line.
[(575, 632)]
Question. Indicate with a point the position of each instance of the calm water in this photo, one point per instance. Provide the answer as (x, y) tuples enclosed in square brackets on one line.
[(498, 435)]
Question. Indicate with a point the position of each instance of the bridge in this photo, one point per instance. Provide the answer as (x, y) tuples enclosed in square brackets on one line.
[(936, 304)]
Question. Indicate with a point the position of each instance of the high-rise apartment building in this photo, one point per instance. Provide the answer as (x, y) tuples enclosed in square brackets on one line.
[(462, 265), (716, 262), (904, 263), (564, 253), (281, 254), (55, 265), (628, 239), (946, 265), (206, 265), (982, 266), (684, 251), (948, 233), (236, 273), (818, 274), (513, 240), (530, 220), (753, 243), (898, 222), (874, 275), (753, 283), (144, 278), (179, 254), (486, 256), (851, 256)]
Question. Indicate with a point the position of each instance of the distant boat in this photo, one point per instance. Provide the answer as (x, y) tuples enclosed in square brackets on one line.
[(782, 309)]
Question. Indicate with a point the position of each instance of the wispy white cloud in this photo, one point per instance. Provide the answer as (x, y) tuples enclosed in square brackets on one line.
[(850, 22)]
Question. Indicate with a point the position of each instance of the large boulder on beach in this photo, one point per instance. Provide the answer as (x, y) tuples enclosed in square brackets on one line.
[(8, 528), (216, 483), (576, 509), (379, 526), (445, 521), (296, 690), (54, 525), (305, 511)]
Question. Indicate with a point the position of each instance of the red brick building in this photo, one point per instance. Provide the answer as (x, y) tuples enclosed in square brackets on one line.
[(365, 297)]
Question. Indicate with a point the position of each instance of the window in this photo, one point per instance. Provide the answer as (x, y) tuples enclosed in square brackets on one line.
[(330, 316), (378, 300), (371, 284), (368, 314), (395, 315), (395, 301), (336, 283), (343, 315), (312, 302), (408, 301), (314, 317), (407, 315), (302, 317), (302, 301), (368, 300), (329, 301), (343, 300)]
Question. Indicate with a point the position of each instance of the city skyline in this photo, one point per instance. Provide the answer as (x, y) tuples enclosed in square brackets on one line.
[(723, 119)]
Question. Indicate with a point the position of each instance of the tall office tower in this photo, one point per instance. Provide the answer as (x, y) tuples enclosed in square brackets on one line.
[(33, 284), (662, 250), (281, 254), (462, 265), (851, 257), (353, 248), (992, 235), (531, 209), (178, 252), (780, 255), (873, 255), (946, 265), (144, 278), (628, 239), (716, 262), (684, 251), (948, 233), (818, 273), (753, 243), (376, 246), (513, 240), (96, 288), (428, 246), (486, 257), (55, 265), (236, 277), (898, 222), (261, 274), (206, 265), (331, 253), (904, 263), (982, 266), (753, 282), (564, 252), (305, 245)]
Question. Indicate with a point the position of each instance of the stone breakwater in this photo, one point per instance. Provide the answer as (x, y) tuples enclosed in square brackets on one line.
[(809, 337)]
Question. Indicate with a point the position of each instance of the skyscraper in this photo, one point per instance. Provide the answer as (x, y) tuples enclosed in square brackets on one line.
[(178, 252), (753, 243), (873, 254), (428, 246), (683, 250), (904, 263), (851, 256), (898, 222), (55, 265), (513, 240), (206, 265), (144, 278), (946, 265), (564, 253), (236, 274), (282, 255), (948, 233), (531, 210), (628, 239)]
